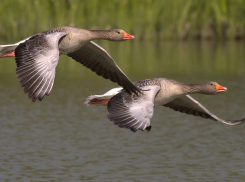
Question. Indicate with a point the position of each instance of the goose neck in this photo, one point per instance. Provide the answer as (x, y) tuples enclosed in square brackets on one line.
[(100, 34), (193, 89)]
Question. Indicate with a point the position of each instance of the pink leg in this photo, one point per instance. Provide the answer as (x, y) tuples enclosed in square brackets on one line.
[(99, 102), (8, 54)]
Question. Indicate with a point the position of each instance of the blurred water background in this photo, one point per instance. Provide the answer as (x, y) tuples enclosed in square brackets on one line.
[(61, 139)]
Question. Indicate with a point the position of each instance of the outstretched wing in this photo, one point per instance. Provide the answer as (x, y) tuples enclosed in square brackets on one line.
[(131, 111), (187, 104), (98, 60), (36, 61)]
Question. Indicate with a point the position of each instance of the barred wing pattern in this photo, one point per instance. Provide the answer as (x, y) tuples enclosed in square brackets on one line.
[(131, 111), (36, 61)]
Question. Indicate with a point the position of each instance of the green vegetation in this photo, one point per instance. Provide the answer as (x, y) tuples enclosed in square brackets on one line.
[(146, 19)]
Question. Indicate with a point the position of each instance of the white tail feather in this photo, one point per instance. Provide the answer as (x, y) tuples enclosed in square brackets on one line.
[(11, 47), (7, 48), (105, 96)]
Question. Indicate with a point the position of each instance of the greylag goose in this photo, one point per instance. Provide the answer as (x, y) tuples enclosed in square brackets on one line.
[(37, 57), (134, 112)]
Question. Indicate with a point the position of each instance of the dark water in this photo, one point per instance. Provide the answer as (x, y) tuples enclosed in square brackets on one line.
[(61, 139)]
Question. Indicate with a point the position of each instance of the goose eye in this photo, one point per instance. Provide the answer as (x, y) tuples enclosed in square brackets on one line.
[(211, 84), (118, 32)]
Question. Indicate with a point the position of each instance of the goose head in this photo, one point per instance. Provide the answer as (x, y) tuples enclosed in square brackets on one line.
[(119, 35), (212, 88)]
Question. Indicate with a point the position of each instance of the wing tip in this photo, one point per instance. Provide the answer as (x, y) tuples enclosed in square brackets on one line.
[(234, 123), (148, 128)]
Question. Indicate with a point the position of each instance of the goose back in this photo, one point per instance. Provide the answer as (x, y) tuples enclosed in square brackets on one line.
[(169, 89)]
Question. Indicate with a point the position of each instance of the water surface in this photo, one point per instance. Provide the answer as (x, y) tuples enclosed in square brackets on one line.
[(61, 139)]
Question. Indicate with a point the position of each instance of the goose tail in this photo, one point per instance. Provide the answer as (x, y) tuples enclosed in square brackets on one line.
[(102, 100)]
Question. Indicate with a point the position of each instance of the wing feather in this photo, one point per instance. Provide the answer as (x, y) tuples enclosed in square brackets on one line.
[(99, 61), (187, 104), (131, 111), (36, 61)]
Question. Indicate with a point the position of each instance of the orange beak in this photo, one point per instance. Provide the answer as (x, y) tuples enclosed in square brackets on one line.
[(219, 88), (127, 36)]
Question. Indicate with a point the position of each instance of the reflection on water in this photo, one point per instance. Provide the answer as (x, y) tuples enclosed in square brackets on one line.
[(61, 139)]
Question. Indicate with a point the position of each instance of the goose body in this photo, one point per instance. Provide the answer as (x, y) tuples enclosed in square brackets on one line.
[(37, 57), (134, 112)]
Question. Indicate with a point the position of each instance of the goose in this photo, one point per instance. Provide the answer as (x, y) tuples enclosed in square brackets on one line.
[(37, 57), (134, 112)]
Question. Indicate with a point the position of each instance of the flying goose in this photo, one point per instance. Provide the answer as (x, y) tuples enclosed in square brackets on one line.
[(134, 112), (37, 57)]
